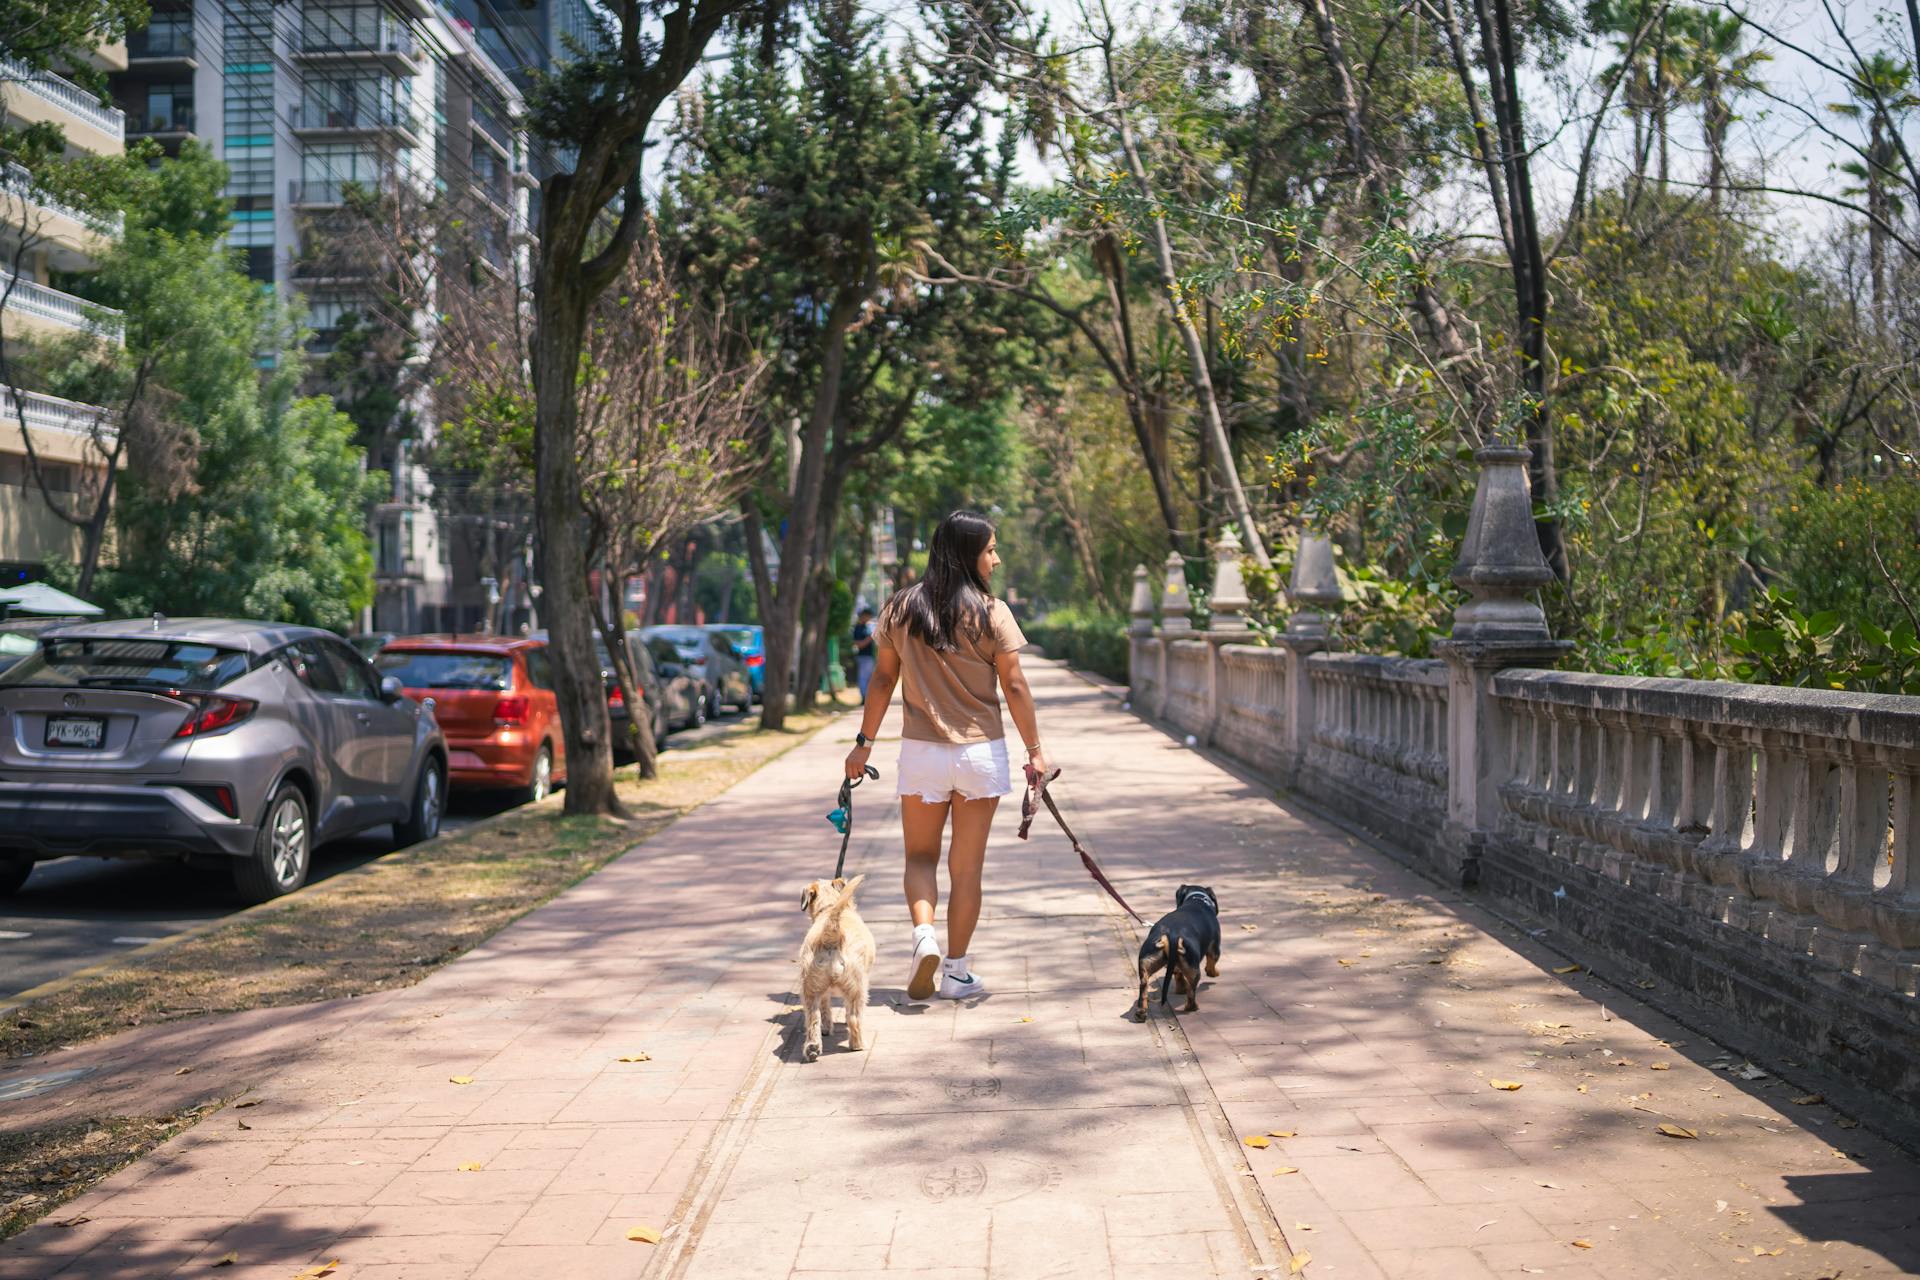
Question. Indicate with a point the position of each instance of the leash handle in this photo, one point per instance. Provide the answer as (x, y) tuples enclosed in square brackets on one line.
[(846, 808)]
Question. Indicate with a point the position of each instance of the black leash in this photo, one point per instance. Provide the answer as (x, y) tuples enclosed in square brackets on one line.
[(1030, 805), (843, 816)]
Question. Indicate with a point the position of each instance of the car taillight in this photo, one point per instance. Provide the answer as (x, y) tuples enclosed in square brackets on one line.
[(511, 710), (211, 711), (756, 659), (615, 698)]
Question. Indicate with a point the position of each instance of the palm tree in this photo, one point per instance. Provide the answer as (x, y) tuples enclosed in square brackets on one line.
[(1716, 69), (1624, 20), (1881, 86)]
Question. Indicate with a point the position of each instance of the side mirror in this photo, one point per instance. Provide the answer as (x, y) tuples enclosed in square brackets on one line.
[(390, 689)]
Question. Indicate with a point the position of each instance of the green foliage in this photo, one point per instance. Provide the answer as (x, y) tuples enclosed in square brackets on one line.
[(1084, 638)]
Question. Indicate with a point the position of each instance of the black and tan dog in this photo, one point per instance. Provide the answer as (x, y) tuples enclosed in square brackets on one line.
[(1178, 943)]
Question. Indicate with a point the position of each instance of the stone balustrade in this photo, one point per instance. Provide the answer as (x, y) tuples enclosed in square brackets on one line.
[(1752, 851), (1790, 813)]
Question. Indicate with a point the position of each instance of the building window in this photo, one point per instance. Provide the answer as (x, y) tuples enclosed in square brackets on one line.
[(169, 108)]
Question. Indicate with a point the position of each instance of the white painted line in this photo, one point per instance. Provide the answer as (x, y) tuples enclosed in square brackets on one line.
[(138, 942), (11, 935)]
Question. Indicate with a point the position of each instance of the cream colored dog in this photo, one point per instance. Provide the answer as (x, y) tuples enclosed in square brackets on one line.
[(837, 956)]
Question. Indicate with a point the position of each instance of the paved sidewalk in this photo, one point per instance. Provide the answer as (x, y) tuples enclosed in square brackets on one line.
[(1359, 1011)]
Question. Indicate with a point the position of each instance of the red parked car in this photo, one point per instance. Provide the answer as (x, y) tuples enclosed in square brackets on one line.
[(493, 697)]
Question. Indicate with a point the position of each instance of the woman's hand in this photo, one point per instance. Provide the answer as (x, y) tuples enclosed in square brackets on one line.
[(1037, 761), (857, 762)]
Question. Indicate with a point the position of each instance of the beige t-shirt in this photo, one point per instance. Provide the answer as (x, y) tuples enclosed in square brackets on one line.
[(951, 697)]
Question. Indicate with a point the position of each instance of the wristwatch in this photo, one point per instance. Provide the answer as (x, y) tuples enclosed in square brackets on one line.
[(862, 740)]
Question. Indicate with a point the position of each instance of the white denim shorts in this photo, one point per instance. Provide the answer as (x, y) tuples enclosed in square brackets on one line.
[(936, 771)]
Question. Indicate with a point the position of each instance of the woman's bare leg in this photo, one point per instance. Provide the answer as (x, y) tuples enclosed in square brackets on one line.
[(966, 859), (923, 824)]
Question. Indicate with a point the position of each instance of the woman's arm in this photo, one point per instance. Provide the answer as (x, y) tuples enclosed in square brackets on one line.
[(1013, 683), (886, 674)]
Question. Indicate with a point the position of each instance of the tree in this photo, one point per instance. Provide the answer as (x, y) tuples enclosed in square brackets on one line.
[(1881, 89), (601, 103)]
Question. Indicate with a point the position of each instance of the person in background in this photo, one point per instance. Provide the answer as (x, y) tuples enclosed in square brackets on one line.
[(863, 650)]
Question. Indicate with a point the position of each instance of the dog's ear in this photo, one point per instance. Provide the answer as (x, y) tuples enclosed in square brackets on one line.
[(1181, 894), (853, 885), (808, 898)]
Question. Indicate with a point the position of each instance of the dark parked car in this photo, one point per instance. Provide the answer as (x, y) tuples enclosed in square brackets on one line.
[(684, 694), (493, 697), (710, 659), (673, 698), (749, 644), (241, 744)]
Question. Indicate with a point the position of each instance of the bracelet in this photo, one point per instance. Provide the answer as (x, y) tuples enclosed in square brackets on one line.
[(1034, 749)]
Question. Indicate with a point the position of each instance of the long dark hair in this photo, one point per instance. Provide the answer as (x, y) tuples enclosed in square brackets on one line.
[(951, 601)]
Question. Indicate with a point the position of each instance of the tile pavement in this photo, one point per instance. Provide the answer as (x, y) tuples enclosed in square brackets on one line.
[(1359, 1010)]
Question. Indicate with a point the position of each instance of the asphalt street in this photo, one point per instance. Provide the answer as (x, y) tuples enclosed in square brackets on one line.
[(77, 912)]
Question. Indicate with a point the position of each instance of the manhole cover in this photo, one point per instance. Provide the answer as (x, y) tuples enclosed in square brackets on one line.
[(33, 1086)]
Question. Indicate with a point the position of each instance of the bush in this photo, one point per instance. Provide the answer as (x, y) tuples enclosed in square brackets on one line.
[(1082, 638)]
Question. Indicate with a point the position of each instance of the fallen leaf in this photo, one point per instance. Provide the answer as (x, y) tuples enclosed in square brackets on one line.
[(1298, 1263), (644, 1235), (1349, 963), (314, 1273), (1257, 1141), (1279, 1133), (243, 1124), (227, 1259), (1845, 1123), (1250, 928), (460, 1079), (1507, 1086), (1583, 1244), (184, 1071), (1659, 1066), (1675, 1131), (639, 1057), (1303, 1226), (1437, 960), (1719, 1206), (1808, 1099), (1582, 1088), (1551, 1186), (1761, 1251), (247, 1102), (1568, 968), (1027, 1019), (73, 1222), (471, 1166), (1751, 1072)]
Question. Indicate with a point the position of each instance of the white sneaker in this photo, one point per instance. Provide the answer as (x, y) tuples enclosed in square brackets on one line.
[(958, 986), (924, 970)]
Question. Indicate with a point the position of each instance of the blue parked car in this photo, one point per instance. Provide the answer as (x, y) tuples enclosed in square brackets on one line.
[(750, 646)]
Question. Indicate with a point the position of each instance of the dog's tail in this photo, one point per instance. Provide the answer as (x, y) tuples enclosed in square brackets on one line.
[(830, 918)]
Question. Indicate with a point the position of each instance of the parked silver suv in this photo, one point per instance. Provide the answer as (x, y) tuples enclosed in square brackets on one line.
[(214, 742)]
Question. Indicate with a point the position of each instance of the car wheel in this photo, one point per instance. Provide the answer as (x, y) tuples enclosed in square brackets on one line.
[(423, 821), (13, 874), (282, 849), (540, 786), (713, 704)]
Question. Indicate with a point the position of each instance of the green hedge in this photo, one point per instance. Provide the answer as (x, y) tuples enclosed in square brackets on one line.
[(1090, 641)]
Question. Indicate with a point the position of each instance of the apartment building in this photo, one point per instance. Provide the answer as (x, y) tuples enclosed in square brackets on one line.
[(43, 244), (305, 100)]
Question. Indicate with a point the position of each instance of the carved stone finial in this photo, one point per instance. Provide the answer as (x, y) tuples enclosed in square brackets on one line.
[(1141, 606), (1230, 601), (1314, 589), (1175, 607), (1500, 562)]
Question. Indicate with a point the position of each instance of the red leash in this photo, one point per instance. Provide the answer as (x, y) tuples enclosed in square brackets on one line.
[(1030, 805)]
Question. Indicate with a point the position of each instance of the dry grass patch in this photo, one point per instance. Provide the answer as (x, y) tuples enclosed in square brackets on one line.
[(393, 921), (42, 1169)]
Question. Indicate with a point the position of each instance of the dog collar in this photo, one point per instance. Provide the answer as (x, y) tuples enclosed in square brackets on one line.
[(1202, 893)]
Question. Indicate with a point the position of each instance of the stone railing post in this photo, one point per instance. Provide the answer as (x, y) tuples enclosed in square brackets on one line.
[(1175, 604), (1228, 622), (1501, 625), (1313, 591), (1139, 627)]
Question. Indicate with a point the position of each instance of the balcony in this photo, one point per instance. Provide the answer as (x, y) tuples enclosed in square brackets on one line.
[(52, 312), (491, 128), (164, 48), (63, 430), (325, 119), (169, 126), (43, 97), (59, 223), (357, 34)]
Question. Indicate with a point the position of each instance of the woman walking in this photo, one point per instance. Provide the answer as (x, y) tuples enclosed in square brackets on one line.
[(954, 649)]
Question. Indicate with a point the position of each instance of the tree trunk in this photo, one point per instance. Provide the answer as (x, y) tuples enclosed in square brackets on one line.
[(560, 311), (803, 510), (1210, 420), (613, 629)]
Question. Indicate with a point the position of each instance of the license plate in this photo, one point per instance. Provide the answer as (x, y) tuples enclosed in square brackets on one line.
[(76, 731)]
